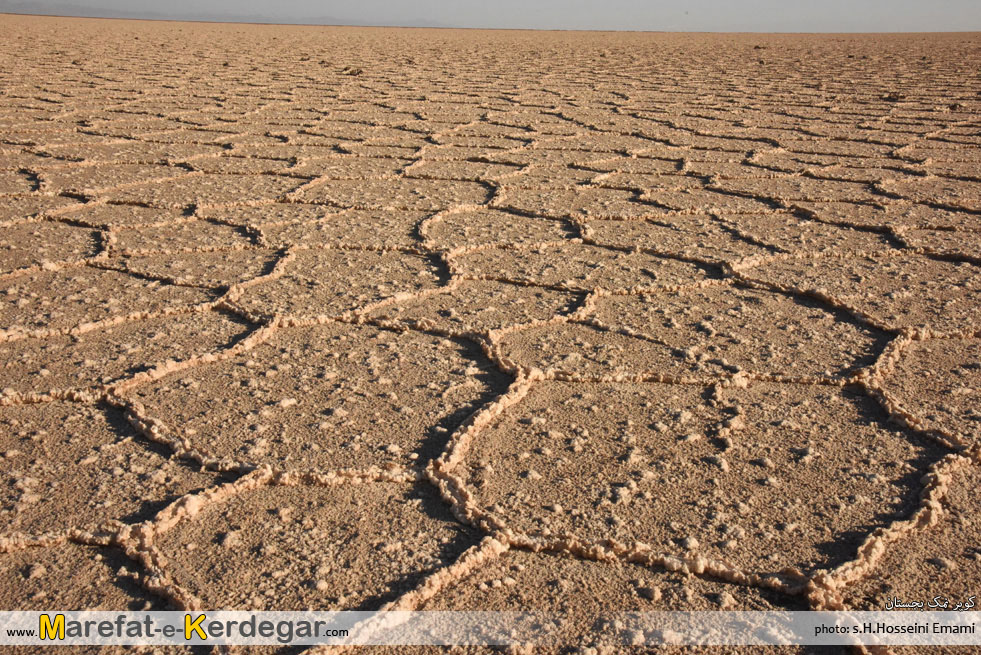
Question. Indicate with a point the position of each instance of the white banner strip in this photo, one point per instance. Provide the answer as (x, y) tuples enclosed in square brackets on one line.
[(946, 628)]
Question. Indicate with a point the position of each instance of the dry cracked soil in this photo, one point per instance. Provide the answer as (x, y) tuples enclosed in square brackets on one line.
[(350, 318)]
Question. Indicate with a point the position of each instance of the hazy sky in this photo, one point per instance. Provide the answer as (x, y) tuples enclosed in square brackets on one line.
[(679, 15)]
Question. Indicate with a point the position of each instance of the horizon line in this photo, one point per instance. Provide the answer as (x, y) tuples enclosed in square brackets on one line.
[(216, 21)]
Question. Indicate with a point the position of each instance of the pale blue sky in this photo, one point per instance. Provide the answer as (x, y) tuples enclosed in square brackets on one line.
[(694, 15)]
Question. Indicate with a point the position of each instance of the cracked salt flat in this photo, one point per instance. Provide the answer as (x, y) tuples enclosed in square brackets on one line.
[(692, 327)]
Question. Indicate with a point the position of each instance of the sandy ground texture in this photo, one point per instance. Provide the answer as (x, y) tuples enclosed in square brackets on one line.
[(338, 318)]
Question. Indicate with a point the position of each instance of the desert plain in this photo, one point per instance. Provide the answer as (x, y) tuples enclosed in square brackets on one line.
[(362, 318)]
